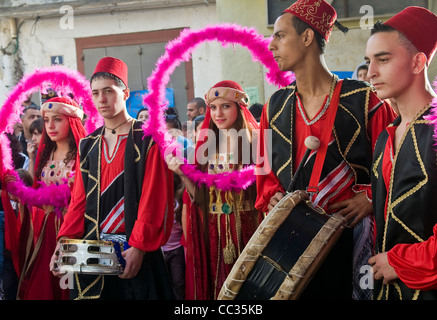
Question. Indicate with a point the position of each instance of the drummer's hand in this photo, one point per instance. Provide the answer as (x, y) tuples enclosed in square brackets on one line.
[(274, 200), (134, 260), (382, 269), (354, 209)]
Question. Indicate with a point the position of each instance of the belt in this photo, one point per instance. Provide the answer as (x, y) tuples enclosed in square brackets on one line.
[(226, 208)]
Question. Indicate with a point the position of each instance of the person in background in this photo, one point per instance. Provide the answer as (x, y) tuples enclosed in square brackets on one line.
[(361, 72), (8, 273), (173, 250), (29, 114), (174, 126), (256, 109), (195, 107), (143, 114), (36, 129)]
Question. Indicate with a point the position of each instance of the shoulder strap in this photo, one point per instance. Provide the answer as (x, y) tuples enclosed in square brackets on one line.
[(324, 140)]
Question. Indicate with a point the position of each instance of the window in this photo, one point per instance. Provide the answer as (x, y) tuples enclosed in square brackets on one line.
[(275, 8), (351, 8), (348, 8)]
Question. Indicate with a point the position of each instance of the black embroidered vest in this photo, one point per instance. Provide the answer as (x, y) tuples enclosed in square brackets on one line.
[(350, 130), (412, 200), (137, 147)]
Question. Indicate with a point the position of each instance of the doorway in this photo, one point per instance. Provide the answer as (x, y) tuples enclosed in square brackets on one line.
[(140, 51)]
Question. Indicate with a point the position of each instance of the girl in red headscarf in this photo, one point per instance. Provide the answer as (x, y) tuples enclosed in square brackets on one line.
[(56, 163), (219, 223)]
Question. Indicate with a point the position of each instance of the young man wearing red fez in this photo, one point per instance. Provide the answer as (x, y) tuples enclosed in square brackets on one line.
[(347, 117), (124, 193), (404, 174)]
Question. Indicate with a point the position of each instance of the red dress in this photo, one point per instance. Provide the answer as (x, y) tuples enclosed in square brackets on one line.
[(36, 280), (208, 262)]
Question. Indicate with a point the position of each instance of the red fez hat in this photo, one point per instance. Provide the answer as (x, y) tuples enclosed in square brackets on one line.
[(319, 14), (419, 25), (113, 66)]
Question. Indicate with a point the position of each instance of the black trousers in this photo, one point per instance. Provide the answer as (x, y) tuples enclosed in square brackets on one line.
[(151, 283), (333, 281)]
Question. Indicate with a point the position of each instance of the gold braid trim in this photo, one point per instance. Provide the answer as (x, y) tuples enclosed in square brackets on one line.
[(398, 289), (276, 116), (366, 105), (137, 150), (349, 93), (94, 179), (375, 166), (81, 293), (342, 155), (357, 132), (391, 204), (271, 122)]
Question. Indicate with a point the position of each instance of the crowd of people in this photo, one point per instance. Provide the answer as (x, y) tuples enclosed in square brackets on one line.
[(376, 166)]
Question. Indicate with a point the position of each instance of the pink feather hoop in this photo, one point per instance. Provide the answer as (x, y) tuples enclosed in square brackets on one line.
[(180, 50), (63, 81)]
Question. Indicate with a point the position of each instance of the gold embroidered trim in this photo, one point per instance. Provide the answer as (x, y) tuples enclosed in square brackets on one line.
[(391, 204), (357, 132), (276, 116), (318, 18), (81, 293), (375, 166)]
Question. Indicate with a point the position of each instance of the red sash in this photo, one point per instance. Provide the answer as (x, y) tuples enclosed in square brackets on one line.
[(324, 140)]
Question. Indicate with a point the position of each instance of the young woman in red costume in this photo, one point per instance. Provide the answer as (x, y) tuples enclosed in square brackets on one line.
[(219, 222), (56, 163)]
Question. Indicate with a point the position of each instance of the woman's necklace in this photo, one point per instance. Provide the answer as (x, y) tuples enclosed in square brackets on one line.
[(113, 129)]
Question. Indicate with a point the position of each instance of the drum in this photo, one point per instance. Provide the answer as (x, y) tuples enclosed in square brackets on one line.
[(89, 257), (285, 252)]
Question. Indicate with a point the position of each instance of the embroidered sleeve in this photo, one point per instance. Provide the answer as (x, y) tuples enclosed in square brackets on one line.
[(156, 208)]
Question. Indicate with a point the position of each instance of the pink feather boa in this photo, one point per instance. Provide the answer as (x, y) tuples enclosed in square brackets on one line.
[(56, 195), (180, 50), (60, 79), (63, 81)]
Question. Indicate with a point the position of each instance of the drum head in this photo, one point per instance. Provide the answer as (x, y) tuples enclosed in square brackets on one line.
[(284, 252)]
